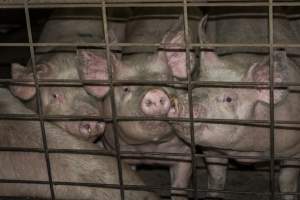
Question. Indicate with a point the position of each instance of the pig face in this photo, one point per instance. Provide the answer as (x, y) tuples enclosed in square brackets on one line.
[(228, 103), (61, 100), (143, 100), (132, 100)]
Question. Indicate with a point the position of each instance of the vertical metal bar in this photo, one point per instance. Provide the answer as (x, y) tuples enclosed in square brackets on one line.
[(271, 81), (188, 63), (112, 99), (39, 101)]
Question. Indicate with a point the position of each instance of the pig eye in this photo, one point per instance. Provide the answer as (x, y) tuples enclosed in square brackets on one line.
[(126, 89), (228, 99), (55, 96)]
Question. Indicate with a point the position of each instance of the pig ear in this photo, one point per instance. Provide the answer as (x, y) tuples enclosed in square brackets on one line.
[(19, 72), (112, 36), (259, 72), (175, 53), (113, 39), (201, 30), (209, 59), (93, 67)]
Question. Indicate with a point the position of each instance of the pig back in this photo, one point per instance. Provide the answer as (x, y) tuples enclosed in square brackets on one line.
[(81, 25)]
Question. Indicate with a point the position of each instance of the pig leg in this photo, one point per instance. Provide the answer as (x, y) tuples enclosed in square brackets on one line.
[(288, 178), (180, 175), (217, 168)]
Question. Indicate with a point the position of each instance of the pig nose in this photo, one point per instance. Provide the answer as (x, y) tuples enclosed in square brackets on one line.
[(92, 129), (155, 102)]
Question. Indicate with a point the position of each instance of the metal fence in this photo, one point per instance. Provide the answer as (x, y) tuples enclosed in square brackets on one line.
[(189, 84)]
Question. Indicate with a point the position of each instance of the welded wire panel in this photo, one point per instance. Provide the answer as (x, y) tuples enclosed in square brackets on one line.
[(51, 180)]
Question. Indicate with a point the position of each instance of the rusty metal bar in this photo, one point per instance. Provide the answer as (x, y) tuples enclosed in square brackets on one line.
[(257, 123), (131, 3), (112, 98), (129, 187), (98, 44), (190, 100), (39, 101), (146, 155), (195, 84), (271, 93)]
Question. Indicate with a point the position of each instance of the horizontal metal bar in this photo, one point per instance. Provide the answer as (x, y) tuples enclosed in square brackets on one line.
[(138, 155), (33, 117), (21, 149), (142, 44), (53, 44), (176, 84), (131, 3), (139, 187)]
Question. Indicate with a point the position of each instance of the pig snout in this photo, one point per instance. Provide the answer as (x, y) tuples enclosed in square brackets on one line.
[(155, 102), (91, 130)]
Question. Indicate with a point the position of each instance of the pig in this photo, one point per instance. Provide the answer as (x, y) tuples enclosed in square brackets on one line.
[(240, 103), (246, 104), (228, 103), (62, 63), (65, 167), (148, 101)]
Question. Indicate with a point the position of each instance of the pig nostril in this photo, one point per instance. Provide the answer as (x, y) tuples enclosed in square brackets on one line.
[(87, 127), (162, 101), (155, 102)]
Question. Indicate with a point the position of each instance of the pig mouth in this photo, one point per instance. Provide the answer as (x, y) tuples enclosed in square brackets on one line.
[(178, 110), (88, 131)]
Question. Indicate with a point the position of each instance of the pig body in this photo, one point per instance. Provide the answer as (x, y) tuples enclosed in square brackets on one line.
[(62, 63), (147, 64), (216, 139), (31, 166), (146, 136)]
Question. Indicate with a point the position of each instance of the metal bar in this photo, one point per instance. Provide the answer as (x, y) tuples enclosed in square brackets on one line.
[(54, 44), (140, 3), (79, 83), (271, 93), (39, 103), (256, 123), (145, 155), (142, 44), (130, 187), (139, 187), (190, 88), (272, 123), (112, 98)]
